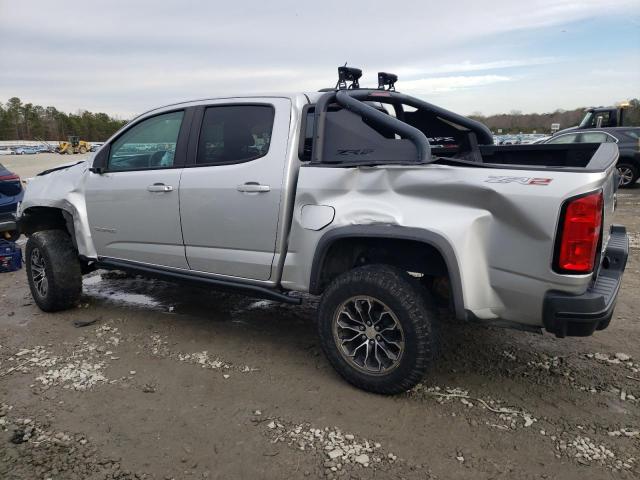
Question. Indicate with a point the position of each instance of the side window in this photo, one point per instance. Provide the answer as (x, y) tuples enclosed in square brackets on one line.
[(602, 123), (593, 137), (234, 134), (149, 144), (569, 138)]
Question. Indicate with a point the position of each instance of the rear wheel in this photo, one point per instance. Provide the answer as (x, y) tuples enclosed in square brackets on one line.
[(53, 270), (376, 328), (628, 174)]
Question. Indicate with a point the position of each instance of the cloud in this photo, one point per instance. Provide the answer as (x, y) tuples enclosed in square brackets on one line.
[(469, 66), (125, 56), (427, 86)]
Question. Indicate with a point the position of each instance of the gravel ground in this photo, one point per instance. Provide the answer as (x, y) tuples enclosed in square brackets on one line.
[(178, 382)]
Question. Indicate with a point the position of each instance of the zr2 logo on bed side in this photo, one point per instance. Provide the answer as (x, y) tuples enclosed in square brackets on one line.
[(355, 151), (521, 180)]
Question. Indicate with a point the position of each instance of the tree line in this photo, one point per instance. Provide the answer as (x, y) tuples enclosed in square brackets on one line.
[(26, 121), (518, 122)]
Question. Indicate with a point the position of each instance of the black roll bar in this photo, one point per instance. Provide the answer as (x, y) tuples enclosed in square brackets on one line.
[(353, 100)]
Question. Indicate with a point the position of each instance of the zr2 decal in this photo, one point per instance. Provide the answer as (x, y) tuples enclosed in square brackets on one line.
[(355, 151), (521, 180)]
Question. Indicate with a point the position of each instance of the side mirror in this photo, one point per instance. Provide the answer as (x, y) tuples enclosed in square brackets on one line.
[(100, 161)]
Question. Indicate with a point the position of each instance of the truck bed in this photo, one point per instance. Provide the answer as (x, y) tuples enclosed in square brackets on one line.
[(580, 157)]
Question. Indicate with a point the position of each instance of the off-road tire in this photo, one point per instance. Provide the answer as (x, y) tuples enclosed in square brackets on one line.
[(83, 150), (631, 168), (409, 302), (61, 266)]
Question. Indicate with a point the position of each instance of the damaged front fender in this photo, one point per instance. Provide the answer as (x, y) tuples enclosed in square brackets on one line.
[(60, 190)]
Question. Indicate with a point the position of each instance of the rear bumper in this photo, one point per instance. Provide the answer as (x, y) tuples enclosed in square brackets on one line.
[(580, 315)]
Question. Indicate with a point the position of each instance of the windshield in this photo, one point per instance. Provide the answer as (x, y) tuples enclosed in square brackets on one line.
[(591, 119), (586, 121)]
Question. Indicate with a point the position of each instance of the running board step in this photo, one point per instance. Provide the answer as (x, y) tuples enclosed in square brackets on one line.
[(196, 279)]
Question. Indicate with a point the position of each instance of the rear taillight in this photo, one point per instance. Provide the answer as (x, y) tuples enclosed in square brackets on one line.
[(9, 178), (580, 233)]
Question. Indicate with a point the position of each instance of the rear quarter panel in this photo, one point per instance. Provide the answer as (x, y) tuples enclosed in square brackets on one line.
[(501, 230)]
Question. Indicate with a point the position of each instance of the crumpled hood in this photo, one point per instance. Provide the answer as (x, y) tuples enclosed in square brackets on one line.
[(64, 166)]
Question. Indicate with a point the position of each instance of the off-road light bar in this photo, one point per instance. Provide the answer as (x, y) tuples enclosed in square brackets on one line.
[(387, 79), (348, 74)]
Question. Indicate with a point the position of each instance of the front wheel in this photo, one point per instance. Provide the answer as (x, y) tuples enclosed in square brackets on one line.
[(53, 270), (376, 328), (628, 174)]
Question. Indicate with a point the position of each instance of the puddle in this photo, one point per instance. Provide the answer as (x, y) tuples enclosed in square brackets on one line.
[(260, 304), (93, 280), (130, 299), (120, 291)]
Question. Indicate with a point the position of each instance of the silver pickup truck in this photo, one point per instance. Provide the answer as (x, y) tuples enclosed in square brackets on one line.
[(387, 206)]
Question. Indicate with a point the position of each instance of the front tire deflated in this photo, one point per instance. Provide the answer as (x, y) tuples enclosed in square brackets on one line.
[(376, 327), (53, 270)]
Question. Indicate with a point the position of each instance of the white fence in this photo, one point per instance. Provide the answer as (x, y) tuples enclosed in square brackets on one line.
[(29, 143), (25, 143)]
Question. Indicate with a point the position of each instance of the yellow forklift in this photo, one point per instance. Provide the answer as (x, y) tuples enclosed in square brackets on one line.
[(73, 145)]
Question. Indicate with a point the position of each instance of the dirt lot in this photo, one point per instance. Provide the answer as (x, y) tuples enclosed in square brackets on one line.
[(176, 382), (30, 165)]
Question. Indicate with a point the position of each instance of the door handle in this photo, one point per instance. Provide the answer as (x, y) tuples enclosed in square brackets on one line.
[(253, 187), (159, 187)]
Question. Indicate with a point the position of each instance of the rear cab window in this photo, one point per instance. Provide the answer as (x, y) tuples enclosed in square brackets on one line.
[(235, 134)]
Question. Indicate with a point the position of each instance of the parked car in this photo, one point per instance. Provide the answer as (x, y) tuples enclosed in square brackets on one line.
[(321, 192), (6, 151), (96, 146), (542, 139), (45, 149), (509, 140), (11, 192), (627, 139), (26, 150)]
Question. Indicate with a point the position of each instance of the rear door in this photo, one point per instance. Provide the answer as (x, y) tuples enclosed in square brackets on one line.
[(232, 185), (133, 207)]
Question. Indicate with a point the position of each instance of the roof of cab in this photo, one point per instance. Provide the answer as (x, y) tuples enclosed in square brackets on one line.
[(302, 97)]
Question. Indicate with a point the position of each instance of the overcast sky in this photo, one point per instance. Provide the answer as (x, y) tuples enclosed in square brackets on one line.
[(124, 57)]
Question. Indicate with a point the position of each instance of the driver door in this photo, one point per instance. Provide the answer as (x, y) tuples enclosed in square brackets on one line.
[(133, 206)]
